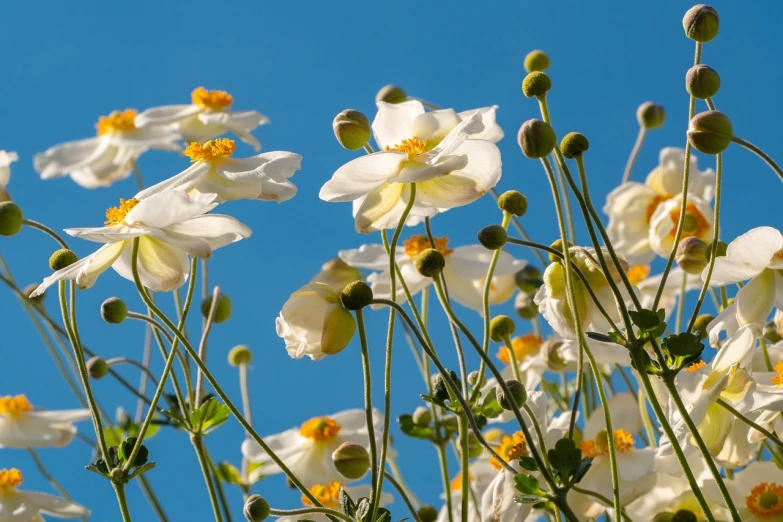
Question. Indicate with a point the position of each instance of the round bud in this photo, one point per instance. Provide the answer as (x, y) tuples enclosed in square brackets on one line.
[(492, 237), (663, 516), (391, 94), (684, 515), (477, 379), (536, 138), (114, 310), (536, 84), (222, 308), (710, 132), (701, 323), (11, 218), (701, 23), (97, 367), (557, 245), (692, 255), (525, 306), (518, 394), (529, 279), (501, 327), (352, 129), (513, 202), (650, 115), (429, 262), (475, 449), (61, 259), (574, 144), (240, 355), (29, 289), (554, 360), (428, 514), (536, 61), (351, 460), (422, 416), (701, 81), (356, 295), (771, 333), (256, 508)]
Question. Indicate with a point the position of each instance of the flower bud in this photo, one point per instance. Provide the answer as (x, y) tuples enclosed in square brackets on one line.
[(650, 115), (97, 367), (574, 144), (771, 333), (536, 61), (692, 255), (352, 129), (477, 379), (701, 81), (351, 460), (536, 138), (685, 515), (663, 516), (429, 262), (391, 94), (428, 514), (337, 274), (114, 310), (710, 132), (422, 416), (256, 508), (529, 279), (701, 323), (240, 355), (492, 237), (513, 202), (356, 295), (501, 327), (722, 247), (518, 395), (554, 361), (701, 23), (557, 245), (11, 218), (536, 84), (222, 308), (475, 449), (525, 306), (61, 259)]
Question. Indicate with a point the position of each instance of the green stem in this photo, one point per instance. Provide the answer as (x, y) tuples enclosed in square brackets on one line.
[(771, 436), (602, 498), (634, 153), (464, 467), (444, 472), (46, 230), (202, 348), (765, 353), (149, 320), (218, 486), (310, 511), (544, 261), (198, 445), (404, 496), (368, 401), (119, 489), (152, 499), (760, 153)]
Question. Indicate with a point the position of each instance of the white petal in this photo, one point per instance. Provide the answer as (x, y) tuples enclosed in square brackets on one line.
[(99, 262), (417, 171), (624, 410), (166, 208), (747, 256), (394, 122), (359, 177), (216, 229), (61, 159), (736, 350), (433, 126), (492, 131), (465, 129), (182, 180), (108, 234), (162, 267), (371, 257), (166, 114), (756, 299), (52, 505)]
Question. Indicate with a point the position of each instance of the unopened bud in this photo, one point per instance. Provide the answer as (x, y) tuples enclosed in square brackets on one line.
[(701, 23), (337, 274), (429, 262), (391, 94), (557, 245), (114, 310), (536, 61), (701, 323), (352, 129), (685, 515), (528, 279), (428, 514), (422, 416), (97, 367), (710, 132), (513, 202), (477, 379), (356, 295), (722, 247), (702, 81), (554, 361), (525, 306), (574, 144), (492, 237), (536, 84), (692, 255), (222, 308), (663, 516), (518, 394), (650, 115), (351, 460), (240, 355), (256, 508), (536, 138), (501, 327), (61, 259), (771, 333), (11, 218)]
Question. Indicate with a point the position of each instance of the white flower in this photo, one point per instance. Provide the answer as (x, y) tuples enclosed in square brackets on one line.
[(329, 496), (480, 475), (23, 427), (170, 227), (214, 171), (449, 171), (531, 357), (756, 491), (307, 449), (108, 157), (648, 286), (207, 117), (663, 223), (315, 323), (337, 274), (26, 506), (631, 206), (6, 158)]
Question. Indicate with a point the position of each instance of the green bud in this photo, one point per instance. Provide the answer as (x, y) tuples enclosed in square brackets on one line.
[(61, 259), (429, 262), (351, 460), (701, 81), (684, 515), (114, 310), (391, 94), (475, 449), (428, 514), (240, 355), (477, 379), (536, 84), (722, 247), (493, 237), (701, 323), (771, 333), (650, 115), (529, 279), (422, 416), (513, 202), (518, 394), (574, 144), (692, 255), (710, 132), (501, 327), (352, 129), (536, 138), (256, 508), (664, 516), (356, 295), (557, 245), (525, 306), (222, 308), (536, 61), (97, 367), (11, 218), (701, 23)]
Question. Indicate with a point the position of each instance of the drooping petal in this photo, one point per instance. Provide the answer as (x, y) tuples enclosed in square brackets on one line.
[(433, 126), (166, 115), (99, 262), (216, 229), (747, 256), (167, 208), (51, 505), (181, 180), (381, 208), (62, 159), (361, 176), (736, 350), (418, 172), (492, 131), (110, 234), (394, 122)]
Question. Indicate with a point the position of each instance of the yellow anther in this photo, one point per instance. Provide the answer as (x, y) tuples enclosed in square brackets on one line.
[(524, 346), (117, 121), (211, 150), (320, 429), (14, 405), (116, 215), (214, 100), (412, 147)]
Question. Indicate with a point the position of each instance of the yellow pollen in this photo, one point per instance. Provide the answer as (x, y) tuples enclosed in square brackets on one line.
[(456, 482), (10, 405), (777, 380), (657, 200), (211, 150), (327, 494), (638, 273), (695, 365), (418, 243), (215, 100), (117, 121), (412, 147), (524, 346), (599, 447), (320, 429), (694, 225), (116, 215), (510, 448), (10, 478), (765, 500)]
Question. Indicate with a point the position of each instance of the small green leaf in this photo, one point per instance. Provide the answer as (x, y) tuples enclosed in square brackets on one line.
[(528, 463), (527, 485), (113, 436), (646, 320), (684, 344), (528, 499), (141, 470), (384, 515), (346, 503), (225, 472), (409, 428), (581, 469), (209, 416), (363, 508), (599, 337)]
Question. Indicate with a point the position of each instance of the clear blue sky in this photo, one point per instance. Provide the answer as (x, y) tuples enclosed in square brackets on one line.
[(300, 63)]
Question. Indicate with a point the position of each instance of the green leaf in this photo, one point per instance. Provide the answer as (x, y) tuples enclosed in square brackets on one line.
[(363, 508), (490, 406), (209, 416), (225, 472), (599, 337), (647, 320), (565, 457), (346, 503), (528, 463), (684, 344), (141, 470), (527, 485), (409, 428), (581, 469), (113, 436), (152, 430), (528, 499), (384, 515)]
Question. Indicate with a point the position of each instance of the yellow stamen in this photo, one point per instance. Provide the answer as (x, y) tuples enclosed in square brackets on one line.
[(765, 500), (10, 478), (657, 200), (211, 150), (418, 243), (320, 429), (117, 121), (214, 100), (524, 346), (456, 482), (510, 448), (10, 405), (116, 215), (695, 365), (695, 224), (412, 147), (599, 447), (777, 380), (638, 273), (327, 494)]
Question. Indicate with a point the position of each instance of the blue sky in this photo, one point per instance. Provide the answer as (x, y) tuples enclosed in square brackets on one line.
[(301, 63)]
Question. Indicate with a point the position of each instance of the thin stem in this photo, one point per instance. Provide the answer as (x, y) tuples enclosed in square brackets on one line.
[(247, 412), (602, 498), (198, 445), (151, 321), (202, 347), (152, 499), (145, 361), (634, 153), (464, 462), (771, 436), (446, 478), (119, 489), (544, 261), (127, 360), (765, 353), (404, 496), (310, 511), (368, 400), (569, 217), (760, 153), (218, 486), (46, 230)]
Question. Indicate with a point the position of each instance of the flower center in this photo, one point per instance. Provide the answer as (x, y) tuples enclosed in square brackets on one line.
[(116, 215), (327, 494), (412, 147), (14, 405), (599, 447), (524, 346), (510, 448), (695, 365), (10, 479), (638, 273), (214, 100), (117, 121), (657, 200), (456, 483), (320, 429), (211, 150), (777, 380), (418, 243), (765, 500), (694, 225)]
